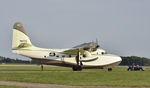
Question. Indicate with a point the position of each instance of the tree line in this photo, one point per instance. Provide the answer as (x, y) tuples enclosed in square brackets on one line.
[(7, 60), (142, 61)]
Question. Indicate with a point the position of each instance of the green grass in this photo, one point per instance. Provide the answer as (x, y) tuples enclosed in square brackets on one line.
[(3, 86), (88, 77)]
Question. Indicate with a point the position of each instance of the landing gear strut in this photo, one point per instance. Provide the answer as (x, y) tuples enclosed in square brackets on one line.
[(77, 68)]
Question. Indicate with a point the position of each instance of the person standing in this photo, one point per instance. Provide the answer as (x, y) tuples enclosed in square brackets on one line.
[(42, 67), (133, 66)]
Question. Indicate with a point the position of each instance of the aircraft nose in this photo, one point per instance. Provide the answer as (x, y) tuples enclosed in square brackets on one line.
[(118, 58)]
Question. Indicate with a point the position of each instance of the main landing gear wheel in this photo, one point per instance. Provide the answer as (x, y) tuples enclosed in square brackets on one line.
[(109, 69), (77, 68)]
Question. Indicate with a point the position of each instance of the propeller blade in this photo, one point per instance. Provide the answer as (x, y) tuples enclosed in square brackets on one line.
[(96, 41), (97, 45)]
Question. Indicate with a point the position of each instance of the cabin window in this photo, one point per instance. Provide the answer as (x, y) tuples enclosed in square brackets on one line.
[(50, 54), (102, 52), (63, 55), (57, 56), (69, 55), (54, 54), (44, 56)]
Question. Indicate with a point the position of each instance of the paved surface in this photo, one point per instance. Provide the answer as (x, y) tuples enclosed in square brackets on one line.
[(38, 85)]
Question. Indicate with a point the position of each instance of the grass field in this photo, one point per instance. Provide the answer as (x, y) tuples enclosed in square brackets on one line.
[(88, 77), (3, 86)]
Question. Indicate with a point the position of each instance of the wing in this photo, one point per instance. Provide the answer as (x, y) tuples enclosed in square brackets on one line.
[(86, 58), (74, 51), (86, 45), (90, 47)]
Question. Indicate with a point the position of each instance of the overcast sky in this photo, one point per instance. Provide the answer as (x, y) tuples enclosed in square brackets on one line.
[(121, 26)]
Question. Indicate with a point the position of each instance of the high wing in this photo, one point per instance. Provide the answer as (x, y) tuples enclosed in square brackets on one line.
[(86, 45), (90, 47), (74, 51)]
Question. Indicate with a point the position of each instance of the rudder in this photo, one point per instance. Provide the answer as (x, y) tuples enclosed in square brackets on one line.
[(20, 38)]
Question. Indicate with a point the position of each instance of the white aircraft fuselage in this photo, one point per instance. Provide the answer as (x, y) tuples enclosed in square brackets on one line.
[(98, 58)]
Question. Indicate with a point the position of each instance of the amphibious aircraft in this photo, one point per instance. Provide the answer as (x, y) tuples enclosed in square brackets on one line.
[(87, 55)]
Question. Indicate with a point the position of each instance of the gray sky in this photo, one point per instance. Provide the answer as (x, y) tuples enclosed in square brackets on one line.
[(121, 26)]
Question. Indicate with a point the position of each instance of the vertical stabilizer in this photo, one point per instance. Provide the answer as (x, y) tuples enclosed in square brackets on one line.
[(20, 38)]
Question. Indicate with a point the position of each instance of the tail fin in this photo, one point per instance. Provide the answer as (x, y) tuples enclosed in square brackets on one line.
[(20, 38)]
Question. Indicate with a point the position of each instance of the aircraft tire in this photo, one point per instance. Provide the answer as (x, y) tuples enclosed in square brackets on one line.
[(77, 68), (109, 69)]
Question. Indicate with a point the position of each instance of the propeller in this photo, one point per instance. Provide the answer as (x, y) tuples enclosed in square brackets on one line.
[(97, 45)]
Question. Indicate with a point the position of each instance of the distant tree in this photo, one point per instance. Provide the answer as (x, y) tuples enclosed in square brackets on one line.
[(15, 61), (136, 60)]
